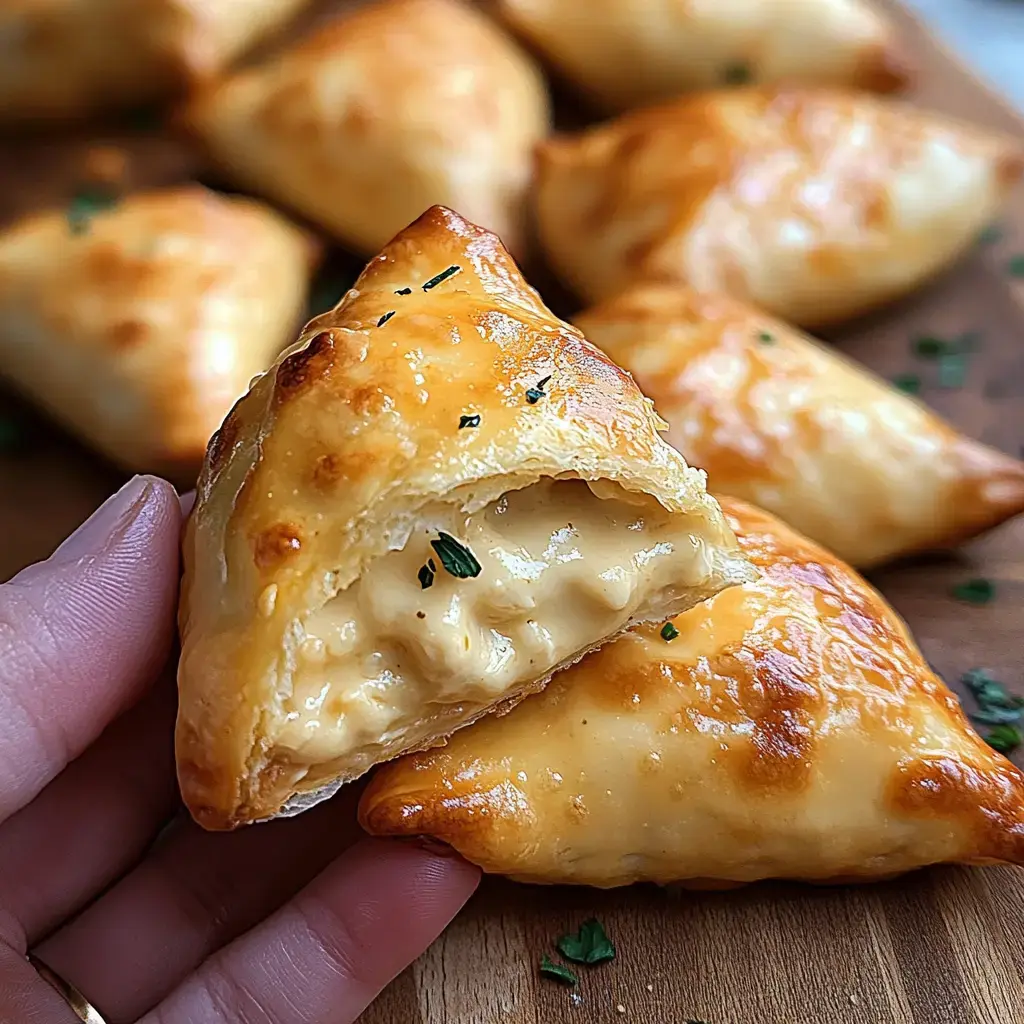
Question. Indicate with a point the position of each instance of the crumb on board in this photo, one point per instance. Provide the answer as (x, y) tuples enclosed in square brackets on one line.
[(620, 1008), (650, 987)]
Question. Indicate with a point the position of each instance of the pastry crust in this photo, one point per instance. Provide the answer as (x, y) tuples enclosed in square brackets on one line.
[(778, 419), (140, 325), (320, 478), (63, 59), (382, 113), (624, 55), (816, 205), (791, 730)]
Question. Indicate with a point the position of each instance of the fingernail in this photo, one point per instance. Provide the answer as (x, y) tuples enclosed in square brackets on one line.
[(112, 516)]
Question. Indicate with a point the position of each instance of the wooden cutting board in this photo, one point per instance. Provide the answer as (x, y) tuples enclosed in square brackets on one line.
[(944, 946)]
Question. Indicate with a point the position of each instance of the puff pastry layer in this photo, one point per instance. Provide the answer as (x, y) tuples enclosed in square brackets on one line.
[(62, 59), (816, 205), (436, 498), (778, 419), (625, 54), (382, 113), (139, 325), (791, 730)]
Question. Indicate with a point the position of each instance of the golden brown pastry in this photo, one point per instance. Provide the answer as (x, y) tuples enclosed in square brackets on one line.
[(62, 59), (788, 728), (815, 205), (138, 325), (439, 496), (775, 418), (384, 112), (625, 54)]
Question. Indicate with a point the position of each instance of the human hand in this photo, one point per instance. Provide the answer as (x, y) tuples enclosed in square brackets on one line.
[(269, 924)]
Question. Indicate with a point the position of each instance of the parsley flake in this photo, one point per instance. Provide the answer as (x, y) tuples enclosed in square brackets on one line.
[(992, 234), (557, 971), (443, 276), (952, 369), (996, 706), (929, 347), (469, 421), (385, 318), (766, 338), (908, 383), (976, 591), (590, 945), (426, 574), (1015, 267), (737, 74), (669, 632), (537, 392), (456, 558), (403, 291), (1004, 738), (86, 204)]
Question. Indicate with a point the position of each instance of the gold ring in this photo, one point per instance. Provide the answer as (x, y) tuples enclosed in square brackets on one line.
[(84, 1010)]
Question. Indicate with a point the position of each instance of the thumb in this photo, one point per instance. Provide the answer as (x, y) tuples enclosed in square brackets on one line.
[(84, 633)]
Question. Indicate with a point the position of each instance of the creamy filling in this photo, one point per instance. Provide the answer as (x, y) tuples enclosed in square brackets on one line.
[(562, 565)]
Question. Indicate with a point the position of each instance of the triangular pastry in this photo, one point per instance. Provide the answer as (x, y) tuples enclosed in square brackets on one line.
[(816, 205), (788, 728), (382, 113), (138, 324), (438, 497), (778, 419), (624, 54)]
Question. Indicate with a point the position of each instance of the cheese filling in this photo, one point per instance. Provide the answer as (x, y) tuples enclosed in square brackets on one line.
[(560, 567)]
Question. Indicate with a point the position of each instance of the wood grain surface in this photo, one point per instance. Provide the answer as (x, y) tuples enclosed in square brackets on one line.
[(944, 946)]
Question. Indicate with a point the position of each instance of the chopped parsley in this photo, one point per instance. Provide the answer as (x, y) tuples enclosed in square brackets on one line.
[(1015, 267), (952, 356), (992, 234), (929, 347), (537, 392), (1004, 738), (557, 971), (86, 204), (456, 558), (590, 945), (403, 291), (908, 383), (952, 369), (443, 276), (996, 707), (766, 338), (976, 591), (469, 421), (737, 74), (426, 574), (385, 318), (669, 631)]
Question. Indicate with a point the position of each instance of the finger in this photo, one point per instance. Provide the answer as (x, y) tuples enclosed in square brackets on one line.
[(27, 999), (194, 893), (325, 955), (105, 808), (84, 633)]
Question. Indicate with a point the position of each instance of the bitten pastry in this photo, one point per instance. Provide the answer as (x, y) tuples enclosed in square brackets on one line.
[(788, 728), (626, 55), (73, 58), (778, 419), (438, 497), (137, 325), (385, 111), (815, 205)]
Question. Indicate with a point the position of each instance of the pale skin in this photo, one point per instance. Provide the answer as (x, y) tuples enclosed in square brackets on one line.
[(301, 921)]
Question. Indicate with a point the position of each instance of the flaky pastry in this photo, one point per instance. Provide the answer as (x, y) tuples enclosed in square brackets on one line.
[(439, 496), (778, 419), (137, 325), (816, 205), (788, 728)]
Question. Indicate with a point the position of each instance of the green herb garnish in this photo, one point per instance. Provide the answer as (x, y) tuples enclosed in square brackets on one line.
[(557, 971), (456, 558), (737, 74), (908, 383), (443, 276), (469, 421), (766, 338), (1015, 267), (1004, 738), (590, 945), (992, 234), (669, 631), (385, 318), (403, 291), (952, 369), (929, 347), (426, 574), (86, 204), (976, 591), (989, 692), (537, 392)]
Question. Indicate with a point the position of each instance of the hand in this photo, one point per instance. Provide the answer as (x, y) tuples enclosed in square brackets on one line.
[(269, 924)]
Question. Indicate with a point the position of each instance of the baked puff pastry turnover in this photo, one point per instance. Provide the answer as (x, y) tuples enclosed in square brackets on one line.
[(788, 728), (382, 113), (625, 55), (138, 324), (440, 495), (815, 205), (62, 59), (776, 418)]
